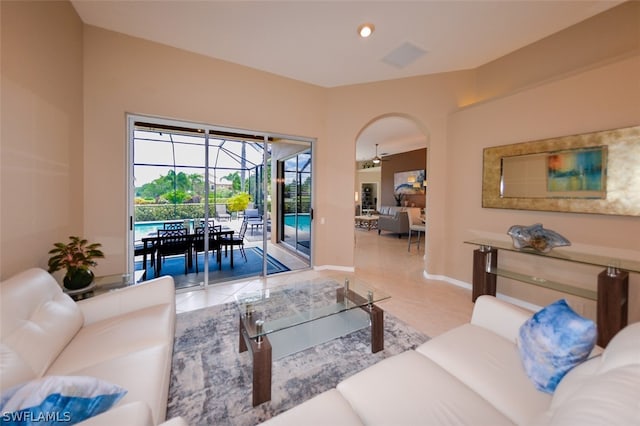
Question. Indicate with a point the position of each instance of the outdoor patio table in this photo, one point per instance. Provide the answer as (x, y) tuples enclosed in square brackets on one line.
[(154, 241)]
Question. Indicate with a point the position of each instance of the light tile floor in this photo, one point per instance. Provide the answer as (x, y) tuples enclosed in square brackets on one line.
[(383, 262)]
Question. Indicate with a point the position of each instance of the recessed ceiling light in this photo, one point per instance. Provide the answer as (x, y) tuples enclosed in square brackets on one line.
[(365, 30)]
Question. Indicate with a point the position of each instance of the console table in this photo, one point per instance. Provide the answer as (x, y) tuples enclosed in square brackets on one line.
[(613, 282)]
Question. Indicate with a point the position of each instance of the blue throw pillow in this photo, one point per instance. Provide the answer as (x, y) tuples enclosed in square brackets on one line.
[(57, 400), (552, 342)]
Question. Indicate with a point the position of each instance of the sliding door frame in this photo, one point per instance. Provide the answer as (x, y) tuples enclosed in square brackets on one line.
[(208, 130)]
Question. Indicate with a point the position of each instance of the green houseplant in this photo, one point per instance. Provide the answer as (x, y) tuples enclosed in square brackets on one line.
[(77, 257)]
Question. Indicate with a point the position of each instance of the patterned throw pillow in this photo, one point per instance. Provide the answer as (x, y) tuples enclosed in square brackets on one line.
[(552, 342), (57, 400)]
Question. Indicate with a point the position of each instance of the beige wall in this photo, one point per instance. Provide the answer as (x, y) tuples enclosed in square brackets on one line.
[(603, 98), (76, 83), (611, 35), (129, 75), (41, 137)]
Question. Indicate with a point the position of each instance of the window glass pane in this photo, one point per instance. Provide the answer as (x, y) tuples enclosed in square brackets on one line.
[(189, 154), (291, 164), (304, 162), (152, 152)]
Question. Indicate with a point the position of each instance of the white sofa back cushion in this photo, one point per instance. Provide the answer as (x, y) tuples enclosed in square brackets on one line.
[(38, 321), (602, 390)]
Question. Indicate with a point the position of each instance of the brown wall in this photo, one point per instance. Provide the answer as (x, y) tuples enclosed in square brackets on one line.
[(412, 160)]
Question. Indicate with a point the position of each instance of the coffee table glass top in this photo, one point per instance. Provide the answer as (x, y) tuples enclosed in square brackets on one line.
[(292, 305)]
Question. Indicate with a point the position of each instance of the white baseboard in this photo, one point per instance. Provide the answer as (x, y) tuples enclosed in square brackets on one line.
[(334, 268), (465, 285), (453, 281)]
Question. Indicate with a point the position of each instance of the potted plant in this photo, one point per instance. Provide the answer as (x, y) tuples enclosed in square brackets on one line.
[(77, 258)]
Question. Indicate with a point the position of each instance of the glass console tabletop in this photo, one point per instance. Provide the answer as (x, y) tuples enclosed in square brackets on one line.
[(564, 254)]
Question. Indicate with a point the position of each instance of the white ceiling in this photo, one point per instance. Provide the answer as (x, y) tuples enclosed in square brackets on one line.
[(316, 41)]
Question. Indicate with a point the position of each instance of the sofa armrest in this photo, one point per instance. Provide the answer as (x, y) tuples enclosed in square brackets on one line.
[(499, 316), (128, 299)]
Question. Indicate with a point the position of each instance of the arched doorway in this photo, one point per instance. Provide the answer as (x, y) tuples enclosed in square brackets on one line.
[(382, 138), (402, 144)]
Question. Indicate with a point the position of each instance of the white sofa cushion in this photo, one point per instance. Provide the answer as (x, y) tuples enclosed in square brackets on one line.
[(499, 316), (490, 365), (63, 399), (328, 408), (135, 344), (135, 413), (602, 390), (623, 349), (38, 321), (610, 398), (410, 389)]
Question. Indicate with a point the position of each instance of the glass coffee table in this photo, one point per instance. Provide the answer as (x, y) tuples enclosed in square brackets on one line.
[(281, 321)]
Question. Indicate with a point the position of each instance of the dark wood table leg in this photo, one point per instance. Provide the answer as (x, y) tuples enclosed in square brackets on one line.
[(377, 329), (261, 371), (376, 314), (242, 346), (262, 361)]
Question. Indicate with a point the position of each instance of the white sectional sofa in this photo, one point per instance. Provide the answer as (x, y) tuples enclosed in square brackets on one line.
[(472, 375), (123, 337)]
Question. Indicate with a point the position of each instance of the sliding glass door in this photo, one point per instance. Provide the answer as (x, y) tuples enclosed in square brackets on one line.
[(202, 199), (296, 212)]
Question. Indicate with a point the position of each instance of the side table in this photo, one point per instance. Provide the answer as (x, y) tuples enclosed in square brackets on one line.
[(104, 284)]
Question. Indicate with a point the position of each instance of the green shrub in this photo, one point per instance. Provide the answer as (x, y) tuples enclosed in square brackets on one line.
[(238, 202)]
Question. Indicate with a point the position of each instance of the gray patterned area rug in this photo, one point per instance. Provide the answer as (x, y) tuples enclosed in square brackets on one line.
[(211, 382)]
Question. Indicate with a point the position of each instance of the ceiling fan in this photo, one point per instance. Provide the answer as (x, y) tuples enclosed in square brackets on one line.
[(376, 159)]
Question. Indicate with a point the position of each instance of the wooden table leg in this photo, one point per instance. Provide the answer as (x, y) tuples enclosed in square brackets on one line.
[(261, 371), (377, 329), (376, 314), (262, 361)]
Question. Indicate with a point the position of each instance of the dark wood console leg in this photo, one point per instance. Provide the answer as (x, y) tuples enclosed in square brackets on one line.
[(484, 282), (613, 300), (377, 329)]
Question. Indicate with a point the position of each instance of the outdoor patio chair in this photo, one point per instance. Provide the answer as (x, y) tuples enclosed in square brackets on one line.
[(235, 240), (198, 240), (253, 218), (172, 242), (140, 250), (221, 212), (173, 225)]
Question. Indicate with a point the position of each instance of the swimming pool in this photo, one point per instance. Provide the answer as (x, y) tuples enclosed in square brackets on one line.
[(146, 229), (304, 221)]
